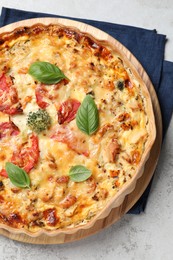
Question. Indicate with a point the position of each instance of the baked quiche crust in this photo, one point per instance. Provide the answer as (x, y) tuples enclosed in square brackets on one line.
[(115, 154)]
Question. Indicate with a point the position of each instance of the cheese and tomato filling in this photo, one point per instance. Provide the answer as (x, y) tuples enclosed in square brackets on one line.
[(112, 154)]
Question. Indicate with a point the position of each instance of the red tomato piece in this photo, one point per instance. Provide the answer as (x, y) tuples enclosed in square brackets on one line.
[(43, 92), (74, 141), (40, 93), (67, 111), (27, 157), (9, 102), (3, 173), (8, 129)]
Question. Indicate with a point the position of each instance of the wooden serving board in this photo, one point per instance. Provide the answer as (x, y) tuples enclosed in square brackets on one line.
[(150, 166)]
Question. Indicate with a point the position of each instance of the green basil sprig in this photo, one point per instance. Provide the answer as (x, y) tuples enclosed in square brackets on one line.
[(17, 176), (79, 173), (46, 72), (87, 118)]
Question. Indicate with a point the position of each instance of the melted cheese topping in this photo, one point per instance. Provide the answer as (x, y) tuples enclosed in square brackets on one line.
[(115, 150)]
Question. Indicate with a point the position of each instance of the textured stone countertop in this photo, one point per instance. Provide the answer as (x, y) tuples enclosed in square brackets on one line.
[(135, 237)]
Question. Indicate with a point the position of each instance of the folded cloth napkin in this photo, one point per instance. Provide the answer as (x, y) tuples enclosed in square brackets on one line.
[(146, 45)]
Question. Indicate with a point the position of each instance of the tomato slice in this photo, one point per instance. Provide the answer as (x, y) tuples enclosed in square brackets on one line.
[(9, 102), (8, 129), (48, 92), (43, 92), (74, 140), (40, 93), (67, 111), (27, 156), (5, 83), (3, 173)]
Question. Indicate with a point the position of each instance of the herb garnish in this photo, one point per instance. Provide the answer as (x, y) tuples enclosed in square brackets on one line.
[(79, 173), (87, 118), (46, 72), (17, 176), (39, 121)]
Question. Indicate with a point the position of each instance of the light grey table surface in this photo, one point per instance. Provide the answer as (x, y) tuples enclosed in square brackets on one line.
[(148, 236)]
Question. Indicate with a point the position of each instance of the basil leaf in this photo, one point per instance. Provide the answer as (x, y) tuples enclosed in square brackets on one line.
[(87, 118), (46, 72), (79, 173), (17, 176)]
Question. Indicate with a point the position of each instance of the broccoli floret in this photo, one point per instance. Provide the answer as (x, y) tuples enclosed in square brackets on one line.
[(39, 121)]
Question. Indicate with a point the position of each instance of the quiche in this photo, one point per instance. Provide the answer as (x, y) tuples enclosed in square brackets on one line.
[(76, 127)]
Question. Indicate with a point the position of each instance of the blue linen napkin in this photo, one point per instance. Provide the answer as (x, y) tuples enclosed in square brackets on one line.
[(147, 46)]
